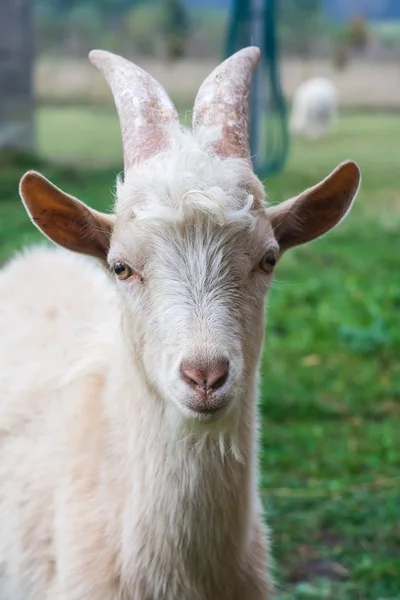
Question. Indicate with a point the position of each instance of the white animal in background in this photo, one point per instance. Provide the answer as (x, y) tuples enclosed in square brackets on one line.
[(314, 108), (128, 412)]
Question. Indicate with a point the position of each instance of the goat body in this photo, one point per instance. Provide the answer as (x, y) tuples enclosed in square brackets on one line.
[(128, 469), (96, 501), (314, 108)]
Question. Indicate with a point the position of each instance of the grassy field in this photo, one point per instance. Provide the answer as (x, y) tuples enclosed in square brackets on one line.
[(331, 370)]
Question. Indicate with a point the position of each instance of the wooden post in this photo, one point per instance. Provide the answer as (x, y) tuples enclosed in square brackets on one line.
[(16, 75)]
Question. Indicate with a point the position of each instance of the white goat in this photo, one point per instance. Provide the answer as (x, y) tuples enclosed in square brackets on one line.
[(128, 415), (314, 108)]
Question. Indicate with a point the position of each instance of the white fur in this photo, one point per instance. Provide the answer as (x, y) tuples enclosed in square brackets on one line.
[(314, 108), (111, 488)]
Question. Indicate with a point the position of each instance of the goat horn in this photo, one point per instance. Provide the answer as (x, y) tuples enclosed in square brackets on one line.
[(223, 100), (144, 108)]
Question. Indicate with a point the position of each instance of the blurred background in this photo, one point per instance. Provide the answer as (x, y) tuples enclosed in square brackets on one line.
[(330, 396)]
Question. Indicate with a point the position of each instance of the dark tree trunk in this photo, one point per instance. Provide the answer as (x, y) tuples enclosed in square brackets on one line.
[(16, 74)]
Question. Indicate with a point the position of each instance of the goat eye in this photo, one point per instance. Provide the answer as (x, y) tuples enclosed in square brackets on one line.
[(122, 270), (268, 262)]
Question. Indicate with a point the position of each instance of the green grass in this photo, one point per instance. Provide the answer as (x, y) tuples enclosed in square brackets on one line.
[(331, 368), (73, 134)]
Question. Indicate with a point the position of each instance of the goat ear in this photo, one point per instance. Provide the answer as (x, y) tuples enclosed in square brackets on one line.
[(317, 210), (64, 219)]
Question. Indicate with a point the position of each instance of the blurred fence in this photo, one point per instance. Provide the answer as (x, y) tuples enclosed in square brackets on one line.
[(195, 29), (180, 41), (362, 84)]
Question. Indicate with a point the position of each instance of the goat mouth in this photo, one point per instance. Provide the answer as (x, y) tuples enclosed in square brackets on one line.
[(207, 413), (208, 410)]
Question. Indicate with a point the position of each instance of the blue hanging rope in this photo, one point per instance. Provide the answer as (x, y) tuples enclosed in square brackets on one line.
[(269, 139)]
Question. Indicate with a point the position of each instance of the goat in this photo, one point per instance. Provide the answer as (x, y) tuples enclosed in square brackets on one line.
[(128, 419), (314, 108)]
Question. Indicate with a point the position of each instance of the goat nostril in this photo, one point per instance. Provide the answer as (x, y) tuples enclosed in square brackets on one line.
[(206, 378), (218, 374)]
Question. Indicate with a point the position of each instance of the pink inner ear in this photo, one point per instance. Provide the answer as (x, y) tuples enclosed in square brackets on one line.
[(64, 219), (318, 209), (222, 101)]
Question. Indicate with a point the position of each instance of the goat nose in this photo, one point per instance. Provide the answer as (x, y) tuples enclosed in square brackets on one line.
[(206, 378)]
